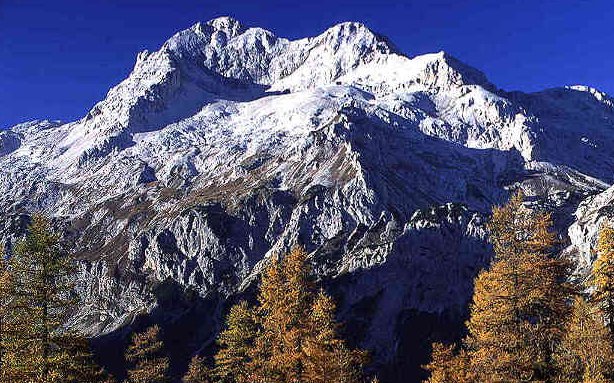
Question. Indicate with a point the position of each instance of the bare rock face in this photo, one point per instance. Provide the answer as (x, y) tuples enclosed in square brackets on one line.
[(230, 144), (9, 142), (591, 215)]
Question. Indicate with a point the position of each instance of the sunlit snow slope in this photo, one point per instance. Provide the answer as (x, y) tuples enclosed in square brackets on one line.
[(230, 144)]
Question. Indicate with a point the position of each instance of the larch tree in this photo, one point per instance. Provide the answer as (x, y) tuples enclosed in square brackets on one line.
[(327, 358), (290, 336), (603, 275), (285, 297), (82, 367), (145, 356), (236, 341), (198, 371), (519, 305), (585, 353), (448, 366), (41, 299)]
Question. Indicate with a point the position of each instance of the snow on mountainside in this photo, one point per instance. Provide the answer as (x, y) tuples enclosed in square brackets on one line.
[(230, 144)]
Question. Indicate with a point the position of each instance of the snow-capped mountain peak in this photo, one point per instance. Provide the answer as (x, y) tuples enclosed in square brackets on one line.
[(230, 143), (231, 27)]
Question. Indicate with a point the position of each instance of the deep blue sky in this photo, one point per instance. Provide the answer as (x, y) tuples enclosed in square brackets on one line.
[(58, 57)]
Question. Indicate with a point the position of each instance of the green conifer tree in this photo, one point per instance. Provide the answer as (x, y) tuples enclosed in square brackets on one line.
[(236, 342), (41, 298), (5, 301)]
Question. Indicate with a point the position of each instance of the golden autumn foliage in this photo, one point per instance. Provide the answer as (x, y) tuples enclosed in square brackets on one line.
[(290, 336), (603, 274), (519, 308), (82, 366), (519, 304), (146, 359), (198, 372), (236, 342), (446, 366), (326, 357), (516, 230), (284, 301), (585, 353)]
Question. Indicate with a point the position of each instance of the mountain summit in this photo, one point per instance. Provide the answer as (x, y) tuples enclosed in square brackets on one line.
[(229, 145)]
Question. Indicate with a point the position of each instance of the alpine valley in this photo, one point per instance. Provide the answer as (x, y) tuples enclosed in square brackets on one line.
[(230, 145)]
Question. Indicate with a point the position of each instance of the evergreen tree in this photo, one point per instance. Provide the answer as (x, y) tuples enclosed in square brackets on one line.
[(41, 298), (5, 301), (603, 275), (236, 342), (146, 359), (198, 372), (585, 353), (520, 303)]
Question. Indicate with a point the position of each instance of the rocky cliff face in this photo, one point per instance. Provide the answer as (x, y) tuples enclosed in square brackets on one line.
[(230, 144)]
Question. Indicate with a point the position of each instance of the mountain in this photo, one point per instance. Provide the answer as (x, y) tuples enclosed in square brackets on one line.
[(229, 145)]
